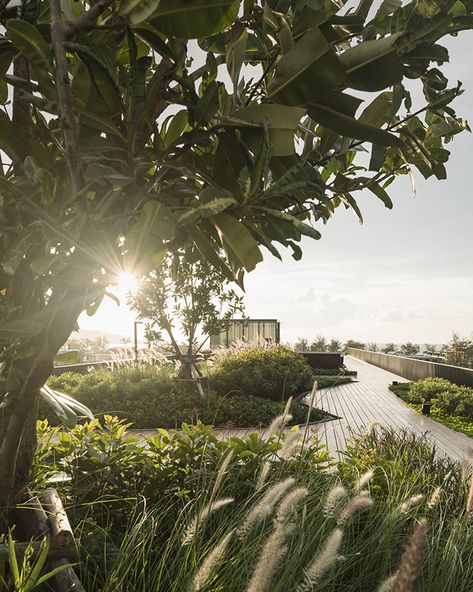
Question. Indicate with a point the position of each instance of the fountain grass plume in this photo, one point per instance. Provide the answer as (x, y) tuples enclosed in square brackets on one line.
[(411, 559), (221, 473), (278, 424), (434, 498), (210, 563), (198, 521), (289, 503), (264, 506), (410, 502), (371, 427), (309, 411), (364, 480), (359, 502), (469, 501), (291, 444), (388, 585), (273, 552), (263, 475), (323, 560), (334, 496)]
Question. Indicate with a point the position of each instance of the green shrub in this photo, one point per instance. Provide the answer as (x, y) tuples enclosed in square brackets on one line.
[(272, 373), (445, 395), (149, 398), (327, 381), (428, 389)]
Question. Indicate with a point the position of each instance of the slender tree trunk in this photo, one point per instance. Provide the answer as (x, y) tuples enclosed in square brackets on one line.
[(18, 426)]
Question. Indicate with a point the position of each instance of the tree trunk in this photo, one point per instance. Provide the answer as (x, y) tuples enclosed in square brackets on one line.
[(18, 421)]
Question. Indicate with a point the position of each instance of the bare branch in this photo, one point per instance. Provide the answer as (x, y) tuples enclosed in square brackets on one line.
[(87, 19)]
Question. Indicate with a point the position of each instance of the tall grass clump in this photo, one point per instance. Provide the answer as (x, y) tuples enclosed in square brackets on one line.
[(191, 513)]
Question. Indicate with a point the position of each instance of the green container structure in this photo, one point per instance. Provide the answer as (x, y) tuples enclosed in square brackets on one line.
[(247, 330)]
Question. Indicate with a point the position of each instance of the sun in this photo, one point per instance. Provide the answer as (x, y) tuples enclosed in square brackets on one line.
[(127, 283)]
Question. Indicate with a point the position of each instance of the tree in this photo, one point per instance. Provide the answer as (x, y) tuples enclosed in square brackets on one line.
[(187, 295), (335, 345), (116, 150), (355, 344), (410, 349), (459, 351), (430, 349), (372, 346), (301, 345), (319, 344), (389, 347), (125, 340)]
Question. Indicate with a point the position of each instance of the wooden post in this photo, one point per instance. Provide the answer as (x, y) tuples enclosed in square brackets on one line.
[(61, 530)]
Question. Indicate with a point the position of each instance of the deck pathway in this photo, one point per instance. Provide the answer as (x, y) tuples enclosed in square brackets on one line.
[(360, 403), (370, 400)]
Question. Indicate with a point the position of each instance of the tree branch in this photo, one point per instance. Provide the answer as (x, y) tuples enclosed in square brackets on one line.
[(69, 123), (87, 19)]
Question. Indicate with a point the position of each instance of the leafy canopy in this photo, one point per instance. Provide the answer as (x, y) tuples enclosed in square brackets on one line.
[(131, 129), (185, 296)]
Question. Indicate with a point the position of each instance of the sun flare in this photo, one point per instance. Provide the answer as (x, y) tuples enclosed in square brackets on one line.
[(127, 283)]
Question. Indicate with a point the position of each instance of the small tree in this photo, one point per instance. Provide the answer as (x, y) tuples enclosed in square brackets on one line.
[(334, 345), (430, 349), (355, 344), (301, 345), (372, 346), (187, 297), (319, 344), (410, 349), (389, 347), (459, 351)]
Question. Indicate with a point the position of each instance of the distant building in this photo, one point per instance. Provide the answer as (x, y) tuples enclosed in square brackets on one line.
[(247, 330)]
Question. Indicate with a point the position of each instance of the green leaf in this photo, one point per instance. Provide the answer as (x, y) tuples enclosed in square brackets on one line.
[(298, 224), (213, 207), (155, 40), (381, 194), (373, 65), (177, 125), (388, 7), (155, 224), (198, 18), (350, 202), (138, 10), (281, 120), (67, 408), (209, 251), (306, 73), (379, 111), (351, 127), (29, 41), (207, 106), (103, 94), (237, 241), (235, 56), (229, 160)]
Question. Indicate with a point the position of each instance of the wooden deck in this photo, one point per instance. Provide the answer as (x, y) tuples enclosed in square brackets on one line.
[(360, 403), (370, 400)]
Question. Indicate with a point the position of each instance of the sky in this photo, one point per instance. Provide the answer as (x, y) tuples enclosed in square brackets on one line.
[(404, 275)]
